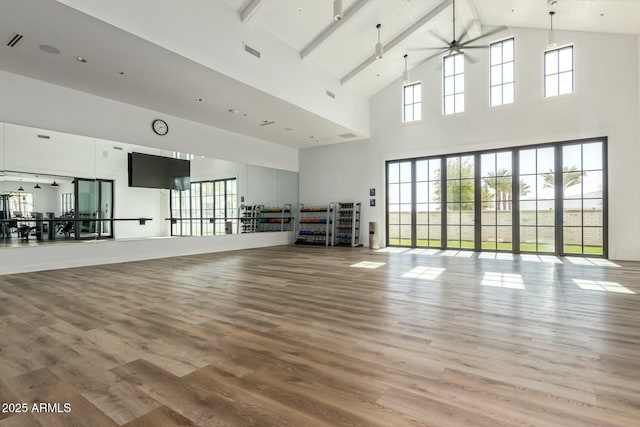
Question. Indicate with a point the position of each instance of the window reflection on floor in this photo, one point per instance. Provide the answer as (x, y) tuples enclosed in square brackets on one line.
[(368, 264), (424, 273), (599, 285), (502, 280)]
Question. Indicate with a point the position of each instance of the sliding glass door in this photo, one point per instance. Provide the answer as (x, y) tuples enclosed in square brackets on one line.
[(497, 201), (400, 210), (428, 206), (583, 183), (537, 200), (94, 203), (460, 202), (544, 199)]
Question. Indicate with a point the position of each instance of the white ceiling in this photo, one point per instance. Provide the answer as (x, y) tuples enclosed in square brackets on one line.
[(297, 22), (169, 82)]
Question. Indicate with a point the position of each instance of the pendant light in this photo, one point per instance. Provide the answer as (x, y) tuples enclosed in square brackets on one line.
[(405, 73), (20, 188), (37, 186), (551, 39), (54, 183), (379, 48), (337, 10)]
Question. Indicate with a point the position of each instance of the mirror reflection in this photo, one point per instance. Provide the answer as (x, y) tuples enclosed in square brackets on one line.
[(58, 187)]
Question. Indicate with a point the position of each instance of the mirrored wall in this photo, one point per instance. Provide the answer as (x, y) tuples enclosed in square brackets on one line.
[(58, 187)]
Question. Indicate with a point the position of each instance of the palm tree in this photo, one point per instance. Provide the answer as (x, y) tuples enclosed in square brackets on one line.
[(501, 183), (570, 176)]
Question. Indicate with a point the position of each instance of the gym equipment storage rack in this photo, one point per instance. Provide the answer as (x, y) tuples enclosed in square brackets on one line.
[(347, 224), (260, 218), (314, 225)]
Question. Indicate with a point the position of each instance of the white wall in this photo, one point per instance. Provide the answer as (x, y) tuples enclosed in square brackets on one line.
[(43, 105), (175, 29), (54, 108), (605, 104), (82, 253)]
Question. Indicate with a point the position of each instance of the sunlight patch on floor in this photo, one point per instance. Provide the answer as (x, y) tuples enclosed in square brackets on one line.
[(424, 251), (368, 264), (550, 259), (599, 285), (502, 280), (393, 250), (424, 273)]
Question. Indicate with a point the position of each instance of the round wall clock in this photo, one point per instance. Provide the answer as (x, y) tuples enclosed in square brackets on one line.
[(160, 127)]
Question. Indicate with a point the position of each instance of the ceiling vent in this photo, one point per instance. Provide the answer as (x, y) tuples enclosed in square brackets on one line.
[(44, 136), (266, 123), (14, 39), (331, 94), (252, 51), (347, 135)]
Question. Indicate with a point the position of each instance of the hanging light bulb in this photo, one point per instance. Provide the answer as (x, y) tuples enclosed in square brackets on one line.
[(379, 48), (337, 10), (551, 38), (405, 73)]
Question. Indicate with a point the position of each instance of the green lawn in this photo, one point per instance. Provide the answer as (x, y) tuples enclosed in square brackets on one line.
[(501, 246)]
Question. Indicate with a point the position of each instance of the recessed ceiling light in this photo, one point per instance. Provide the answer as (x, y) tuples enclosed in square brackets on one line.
[(49, 49), (121, 73), (299, 9), (199, 99), (234, 111), (81, 59), (310, 136)]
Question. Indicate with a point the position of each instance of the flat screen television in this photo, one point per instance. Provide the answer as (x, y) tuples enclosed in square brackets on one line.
[(149, 171)]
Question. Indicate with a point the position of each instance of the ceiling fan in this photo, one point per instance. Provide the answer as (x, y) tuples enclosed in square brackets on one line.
[(458, 45)]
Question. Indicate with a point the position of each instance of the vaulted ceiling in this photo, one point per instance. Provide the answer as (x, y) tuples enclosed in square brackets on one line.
[(314, 77)]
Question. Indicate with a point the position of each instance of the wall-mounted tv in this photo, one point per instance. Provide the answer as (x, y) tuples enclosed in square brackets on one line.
[(149, 171)]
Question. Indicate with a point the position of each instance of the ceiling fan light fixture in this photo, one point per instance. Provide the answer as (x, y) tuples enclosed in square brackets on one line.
[(379, 47), (551, 36), (337, 10)]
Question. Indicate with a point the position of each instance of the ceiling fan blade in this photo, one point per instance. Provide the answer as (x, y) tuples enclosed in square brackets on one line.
[(463, 35), (490, 33), (428, 48), (428, 58), (464, 46), (439, 37)]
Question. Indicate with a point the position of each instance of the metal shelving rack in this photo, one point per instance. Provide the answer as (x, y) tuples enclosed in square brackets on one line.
[(249, 219), (347, 224), (314, 225), (259, 218), (275, 218)]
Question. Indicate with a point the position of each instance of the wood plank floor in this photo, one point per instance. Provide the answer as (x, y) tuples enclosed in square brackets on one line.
[(306, 336)]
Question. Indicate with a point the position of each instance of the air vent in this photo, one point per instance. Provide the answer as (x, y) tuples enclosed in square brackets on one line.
[(347, 135), (266, 123), (117, 148), (44, 136), (14, 39), (331, 94), (252, 51)]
